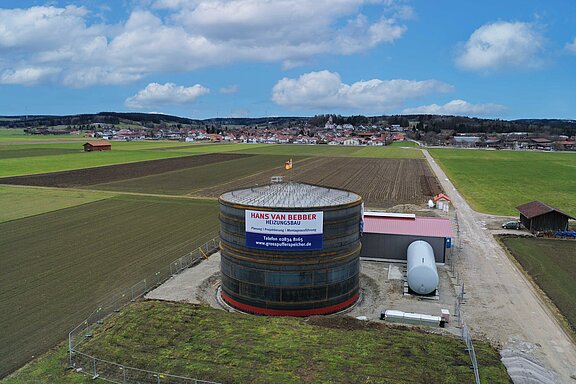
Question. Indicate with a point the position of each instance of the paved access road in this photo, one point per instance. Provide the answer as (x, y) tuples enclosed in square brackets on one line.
[(502, 306)]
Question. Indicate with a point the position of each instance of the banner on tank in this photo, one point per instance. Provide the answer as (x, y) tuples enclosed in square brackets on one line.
[(286, 231)]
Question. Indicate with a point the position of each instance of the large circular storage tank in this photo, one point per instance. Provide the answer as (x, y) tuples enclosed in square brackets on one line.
[(290, 249), (421, 271)]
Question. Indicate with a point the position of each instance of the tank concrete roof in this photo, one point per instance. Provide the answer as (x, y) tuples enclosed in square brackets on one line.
[(290, 195)]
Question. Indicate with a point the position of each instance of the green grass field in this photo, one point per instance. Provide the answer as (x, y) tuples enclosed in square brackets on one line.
[(57, 266), (211, 344), (33, 159), (498, 181), (17, 202), (552, 265)]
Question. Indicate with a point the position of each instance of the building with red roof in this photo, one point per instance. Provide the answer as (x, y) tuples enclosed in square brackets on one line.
[(388, 235), (94, 146)]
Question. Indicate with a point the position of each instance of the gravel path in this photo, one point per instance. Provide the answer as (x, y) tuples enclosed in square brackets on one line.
[(502, 306)]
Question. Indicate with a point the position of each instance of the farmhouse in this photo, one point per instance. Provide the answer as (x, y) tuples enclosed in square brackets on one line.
[(94, 146), (388, 235), (537, 216)]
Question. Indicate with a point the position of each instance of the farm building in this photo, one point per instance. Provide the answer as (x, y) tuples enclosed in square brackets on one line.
[(290, 249), (388, 235), (442, 202), (537, 216), (97, 146)]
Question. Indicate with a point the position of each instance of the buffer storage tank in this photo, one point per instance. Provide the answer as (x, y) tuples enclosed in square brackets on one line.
[(290, 249), (421, 271)]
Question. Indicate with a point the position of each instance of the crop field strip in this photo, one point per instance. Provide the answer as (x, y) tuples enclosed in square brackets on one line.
[(56, 267), (18, 202), (552, 265), (36, 151), (382, 183), (185, 181), (90, 176)]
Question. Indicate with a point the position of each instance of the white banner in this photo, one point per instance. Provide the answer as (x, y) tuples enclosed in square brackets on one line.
[(294, 223), (284, 230)]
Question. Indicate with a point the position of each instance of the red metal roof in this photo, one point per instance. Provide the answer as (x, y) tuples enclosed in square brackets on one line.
[(98, 144), (441, 196), (419, 226)]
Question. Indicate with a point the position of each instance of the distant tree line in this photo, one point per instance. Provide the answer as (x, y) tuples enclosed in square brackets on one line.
[(418, 123)]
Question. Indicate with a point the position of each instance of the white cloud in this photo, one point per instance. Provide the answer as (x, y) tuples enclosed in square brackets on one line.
[(502, 45), (28, 76), (179, 36), (229, 89), (457, 107), (325, 89), (165, 94), (571, 46)]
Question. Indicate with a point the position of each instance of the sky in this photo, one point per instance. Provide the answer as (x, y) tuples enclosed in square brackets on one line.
[(505, 59)]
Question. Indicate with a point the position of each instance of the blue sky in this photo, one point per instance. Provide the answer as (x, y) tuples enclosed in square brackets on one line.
[(503, 59)]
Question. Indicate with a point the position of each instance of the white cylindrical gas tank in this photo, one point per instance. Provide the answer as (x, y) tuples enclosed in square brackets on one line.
[(421, 272)]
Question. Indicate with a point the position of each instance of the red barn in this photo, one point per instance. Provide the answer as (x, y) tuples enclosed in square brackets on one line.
[(94, 146)]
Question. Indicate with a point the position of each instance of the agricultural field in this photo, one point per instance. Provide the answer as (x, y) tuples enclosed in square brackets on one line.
[(210, 344), (90, 176), (56, 267), (382, 183), (496, 182), (551, 263), (64, 250), (24, 158), (19, 202), (186, 181)]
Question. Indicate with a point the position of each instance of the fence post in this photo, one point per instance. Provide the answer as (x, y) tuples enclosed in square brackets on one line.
[(70, 349), (95, 372)]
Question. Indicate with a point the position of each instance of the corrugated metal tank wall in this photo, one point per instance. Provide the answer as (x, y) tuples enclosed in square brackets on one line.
[(293, 283)]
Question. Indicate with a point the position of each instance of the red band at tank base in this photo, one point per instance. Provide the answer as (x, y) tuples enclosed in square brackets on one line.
[(290, 312)]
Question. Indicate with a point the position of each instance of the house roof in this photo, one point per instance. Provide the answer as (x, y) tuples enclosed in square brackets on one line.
[(441, 196), (98, 143), (538, 208), (415, 226), (541, 140)]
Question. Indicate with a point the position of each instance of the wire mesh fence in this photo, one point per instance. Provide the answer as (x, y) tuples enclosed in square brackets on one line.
[(118, 373), (466, 336)]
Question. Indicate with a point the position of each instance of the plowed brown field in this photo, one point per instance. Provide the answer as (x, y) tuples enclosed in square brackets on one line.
[(382, 183)]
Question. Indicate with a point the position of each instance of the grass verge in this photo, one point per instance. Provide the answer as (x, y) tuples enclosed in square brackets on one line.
[(210, 344)]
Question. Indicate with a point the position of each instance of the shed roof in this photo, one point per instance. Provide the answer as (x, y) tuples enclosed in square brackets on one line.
[(538, 208), (98, 144), (441, 196), (417, 226)]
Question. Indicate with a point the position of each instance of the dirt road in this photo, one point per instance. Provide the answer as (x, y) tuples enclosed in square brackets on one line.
[(502, 306)]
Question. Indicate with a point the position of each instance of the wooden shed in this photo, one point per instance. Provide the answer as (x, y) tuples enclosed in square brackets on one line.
[(94, 146), (537, 216)]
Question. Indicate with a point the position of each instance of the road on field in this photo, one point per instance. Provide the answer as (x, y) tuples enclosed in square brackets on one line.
[(502, 306)]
